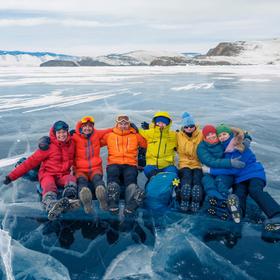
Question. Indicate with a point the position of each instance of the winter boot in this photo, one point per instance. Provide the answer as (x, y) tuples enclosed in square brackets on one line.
[(101, 195), (134, 197), (222, 214), (273, 224), (74, 204), (233, 207), (86, 199), (186, 192), (217, 203), (196, 198), (48, 200), (113, 197), (70, 191), (58, 207)]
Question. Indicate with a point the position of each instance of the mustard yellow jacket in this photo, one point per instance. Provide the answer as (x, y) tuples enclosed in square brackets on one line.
[(161, 144), (186, 148)]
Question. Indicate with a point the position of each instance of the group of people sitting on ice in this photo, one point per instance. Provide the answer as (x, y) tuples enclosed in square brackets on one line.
[(215, 164)]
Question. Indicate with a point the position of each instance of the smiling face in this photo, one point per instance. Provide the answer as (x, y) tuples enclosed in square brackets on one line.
[(123, 125), (211, 137), (189, 129), (161, 125), (87, 128), (223, 136), (61, 135)]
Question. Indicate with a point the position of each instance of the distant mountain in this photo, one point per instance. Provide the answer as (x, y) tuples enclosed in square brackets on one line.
[(242, 53), (21, 58)]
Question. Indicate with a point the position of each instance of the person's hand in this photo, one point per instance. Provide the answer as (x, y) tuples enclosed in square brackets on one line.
[(205, 169), (145, 125), (44, 143), (7, 180), (72, 131), (133, 125), (236, 163)]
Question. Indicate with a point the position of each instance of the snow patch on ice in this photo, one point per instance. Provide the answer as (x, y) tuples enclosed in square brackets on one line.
[(194, 86), (10, 161), (6, 254), (255, 80)]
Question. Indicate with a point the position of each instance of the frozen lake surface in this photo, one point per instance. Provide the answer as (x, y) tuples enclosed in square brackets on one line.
[(181, 246)]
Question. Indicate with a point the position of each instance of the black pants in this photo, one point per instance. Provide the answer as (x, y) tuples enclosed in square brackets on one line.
[(190, 177), (97, 180), (254, 187), (122, 174)]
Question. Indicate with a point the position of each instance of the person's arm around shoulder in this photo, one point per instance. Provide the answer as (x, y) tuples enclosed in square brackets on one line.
[(141, 141)]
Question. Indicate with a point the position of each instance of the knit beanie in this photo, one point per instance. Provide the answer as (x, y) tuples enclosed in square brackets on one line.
[(187, 120), (223, 128), (60, 125), (207, 129)]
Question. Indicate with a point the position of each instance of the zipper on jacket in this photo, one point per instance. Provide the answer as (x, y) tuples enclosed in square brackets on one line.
[(159, 146), (88, 154)]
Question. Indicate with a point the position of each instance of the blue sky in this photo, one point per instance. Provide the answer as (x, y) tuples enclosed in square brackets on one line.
[(90, 27)]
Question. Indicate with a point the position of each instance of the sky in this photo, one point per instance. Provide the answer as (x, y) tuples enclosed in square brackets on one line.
[(97, 27)]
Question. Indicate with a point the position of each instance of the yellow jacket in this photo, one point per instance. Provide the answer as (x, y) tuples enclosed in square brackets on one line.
[(161, 144), (186, 148)]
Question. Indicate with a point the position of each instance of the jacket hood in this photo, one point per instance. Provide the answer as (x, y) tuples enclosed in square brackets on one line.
[(162, 114)]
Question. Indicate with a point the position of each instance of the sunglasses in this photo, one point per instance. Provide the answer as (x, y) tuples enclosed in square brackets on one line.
[(121, 119), (189, 126), (87, 119)]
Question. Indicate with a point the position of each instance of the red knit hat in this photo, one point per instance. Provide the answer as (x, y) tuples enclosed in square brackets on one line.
[(207, 129)]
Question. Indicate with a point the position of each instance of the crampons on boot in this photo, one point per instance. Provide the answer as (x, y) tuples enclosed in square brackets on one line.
[(74, 204), (58, 207), (233, 207), (101, 195), (219, 203), (86, 199), (273, 224), (196, 198), (134, 197), (219, 213), (186, 192), (113, 197)]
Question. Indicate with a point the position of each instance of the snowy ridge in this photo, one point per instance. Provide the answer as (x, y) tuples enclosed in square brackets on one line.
[(251, 52), (18, 58)]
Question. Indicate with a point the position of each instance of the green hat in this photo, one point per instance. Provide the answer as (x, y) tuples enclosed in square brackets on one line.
[(223, 128)]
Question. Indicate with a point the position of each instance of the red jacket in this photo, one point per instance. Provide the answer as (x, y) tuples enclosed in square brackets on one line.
[(123, 146), (87, 155), (57, 160)]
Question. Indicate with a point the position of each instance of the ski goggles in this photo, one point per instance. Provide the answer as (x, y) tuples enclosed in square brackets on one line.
[(87, 119), (60, 125), (121, 119)]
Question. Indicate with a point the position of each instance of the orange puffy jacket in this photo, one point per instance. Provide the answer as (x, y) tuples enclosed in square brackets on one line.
[(87, 154), (123, 146)]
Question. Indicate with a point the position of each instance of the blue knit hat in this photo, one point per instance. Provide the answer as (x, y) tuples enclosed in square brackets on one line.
[(187, 119), (162, 119), (60, 125)]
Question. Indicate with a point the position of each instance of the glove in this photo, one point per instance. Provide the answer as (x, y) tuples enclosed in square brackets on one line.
[(236, 163), (44, 143), (72, 131), (205, 169), (145, 125), (133, 125), (7, 180)]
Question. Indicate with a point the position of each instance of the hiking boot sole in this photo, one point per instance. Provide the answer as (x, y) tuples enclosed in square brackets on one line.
[(233, 208), (101, 196), (86, 199), (60, 206), (272, 227)]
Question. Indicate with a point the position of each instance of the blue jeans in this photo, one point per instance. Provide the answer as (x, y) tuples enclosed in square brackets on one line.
[(217, 186), (151, 170)]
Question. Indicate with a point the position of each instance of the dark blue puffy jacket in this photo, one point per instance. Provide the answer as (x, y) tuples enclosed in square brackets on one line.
[(253, 168)]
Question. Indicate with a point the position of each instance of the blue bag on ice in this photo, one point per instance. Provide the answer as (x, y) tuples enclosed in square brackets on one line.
[(159, 191)]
